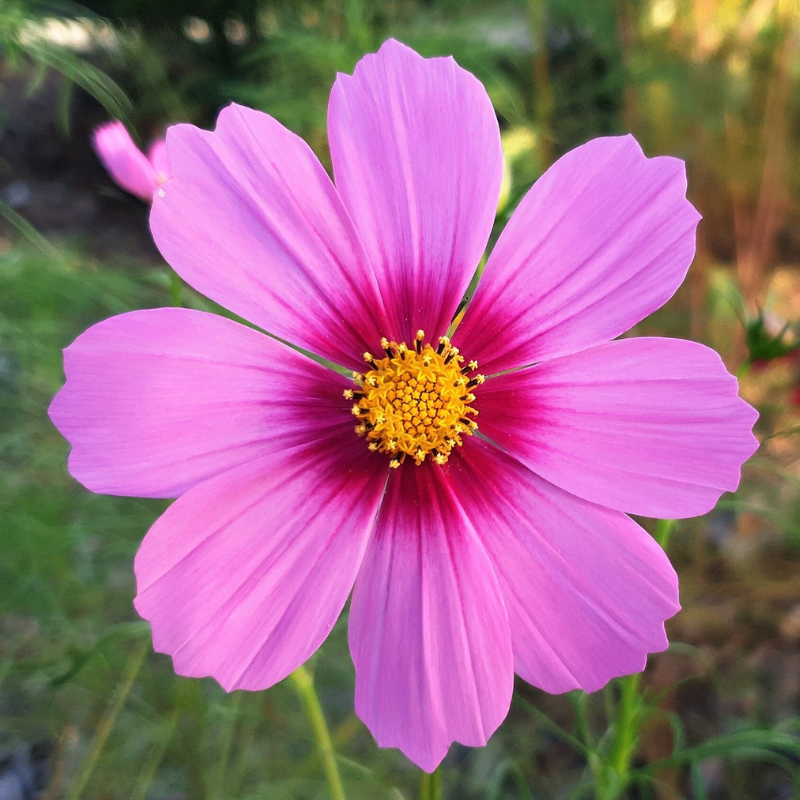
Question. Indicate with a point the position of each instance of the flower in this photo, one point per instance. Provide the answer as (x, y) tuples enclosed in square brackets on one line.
[(134, 171), (471, 557)]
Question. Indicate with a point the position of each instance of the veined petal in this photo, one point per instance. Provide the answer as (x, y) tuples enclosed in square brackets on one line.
[(428, 630), (244, 576), (157, 401), (157, 155), (125, 162), (417, 160), (251, 220), (648, 426), (586, 589), (600, 241)]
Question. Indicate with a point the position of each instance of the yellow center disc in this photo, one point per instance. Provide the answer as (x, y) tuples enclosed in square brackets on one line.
[(415, 401)]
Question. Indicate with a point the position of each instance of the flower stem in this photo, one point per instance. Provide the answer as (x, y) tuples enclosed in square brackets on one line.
[(430, 785), (109, 718), (175, 290), (304, 686), (544, 98), (664, 529), (612, 780), (627, 724), (155, 757), (227, 745)]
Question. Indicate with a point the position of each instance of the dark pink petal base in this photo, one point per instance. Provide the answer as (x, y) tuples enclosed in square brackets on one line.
[(600, 241), (428, 629), (159, 401), (244, 576), (648, 426), (418, 163), (586, 589), (252, 220)]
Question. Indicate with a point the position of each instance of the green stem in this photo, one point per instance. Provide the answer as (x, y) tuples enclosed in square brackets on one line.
[(109, 718), (544, 97), (357, 27), (227, 746), (552, 726), (628, 722), (175, 290), (612, 781), (743, 369), (30, 233), (247, 735), (304, 686), (430, 785), (612, 777), (664, 529), (580, 701), (154, 759)]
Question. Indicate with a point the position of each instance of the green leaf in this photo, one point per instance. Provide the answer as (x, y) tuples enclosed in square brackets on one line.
[(85, 75)]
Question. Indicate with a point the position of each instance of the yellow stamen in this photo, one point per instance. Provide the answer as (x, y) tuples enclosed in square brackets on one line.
[(413, 401)]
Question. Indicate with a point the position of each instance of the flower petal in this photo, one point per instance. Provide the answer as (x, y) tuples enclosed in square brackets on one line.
[(417, 159), (428, 631), (157, 401), (649, 426), (245, 575), (600, 241), (157, 154), (586, 589), (125, 162), (251, 220)]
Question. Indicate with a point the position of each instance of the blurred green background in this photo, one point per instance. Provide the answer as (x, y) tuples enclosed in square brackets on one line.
[(86, 708)]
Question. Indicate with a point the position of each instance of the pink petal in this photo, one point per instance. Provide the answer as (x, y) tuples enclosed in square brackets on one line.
[(603, 239), (428, 631), (251, 220), (586, 589), (158, 401), (417, 159), (245, 575), (125, 162), (649, 426), (157, 154)]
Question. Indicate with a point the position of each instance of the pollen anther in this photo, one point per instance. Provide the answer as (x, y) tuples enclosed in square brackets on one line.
[(412, 401)]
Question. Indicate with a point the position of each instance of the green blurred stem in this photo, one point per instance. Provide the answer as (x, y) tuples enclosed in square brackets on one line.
[(664, 529), (356, 24), (743, 369), (148, 772), (247, 734), (109, 718), (227, 746), (304, 686), (613, 779), (544, 98), (27, 230), (175, 290), (430, 786)]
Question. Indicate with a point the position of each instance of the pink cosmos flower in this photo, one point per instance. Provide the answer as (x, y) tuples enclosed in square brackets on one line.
[(476, 556), (134, 171)]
